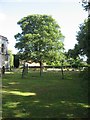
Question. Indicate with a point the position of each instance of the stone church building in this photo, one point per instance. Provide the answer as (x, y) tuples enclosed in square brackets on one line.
[(4, 56)]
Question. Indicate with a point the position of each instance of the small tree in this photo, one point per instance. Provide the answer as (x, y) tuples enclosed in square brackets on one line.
[(11, 59), (40, 38)]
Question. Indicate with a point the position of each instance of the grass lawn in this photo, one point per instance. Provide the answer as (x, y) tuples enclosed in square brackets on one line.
[(44, 97)]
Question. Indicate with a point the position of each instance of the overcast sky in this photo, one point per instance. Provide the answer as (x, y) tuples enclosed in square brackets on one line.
[(68, 13)]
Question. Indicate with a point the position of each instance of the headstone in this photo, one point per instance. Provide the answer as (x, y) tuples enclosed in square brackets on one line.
[(24, 70)]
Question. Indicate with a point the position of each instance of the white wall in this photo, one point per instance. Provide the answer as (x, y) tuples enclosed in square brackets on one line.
[(2, 55)]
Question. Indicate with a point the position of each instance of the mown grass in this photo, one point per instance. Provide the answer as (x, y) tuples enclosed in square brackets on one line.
[(47, 96)]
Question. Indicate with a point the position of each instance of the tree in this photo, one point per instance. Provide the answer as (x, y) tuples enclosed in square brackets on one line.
[(11, 59), (40, 39), (86, 4), (83, 38), (72, 53), (73, 58), (57, 58)]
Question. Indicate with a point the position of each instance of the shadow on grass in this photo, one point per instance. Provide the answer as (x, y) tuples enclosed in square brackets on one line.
[(45, 97)]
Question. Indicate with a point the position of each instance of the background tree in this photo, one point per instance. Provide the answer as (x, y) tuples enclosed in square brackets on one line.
[(83, 45), (83, 38), (56, 59), (73, 58), (40, 39), (11, 59), (86, 4)]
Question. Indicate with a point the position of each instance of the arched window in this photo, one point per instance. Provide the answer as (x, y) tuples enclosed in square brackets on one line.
[(2, 48)]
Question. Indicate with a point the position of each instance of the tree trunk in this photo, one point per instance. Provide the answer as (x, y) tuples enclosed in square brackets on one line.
[(41, 68), (62, 71)]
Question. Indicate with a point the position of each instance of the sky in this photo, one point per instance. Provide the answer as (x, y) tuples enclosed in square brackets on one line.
[(69, 14)]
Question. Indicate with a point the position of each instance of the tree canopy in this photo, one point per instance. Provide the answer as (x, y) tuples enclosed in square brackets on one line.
[(86, 4), (83, 38), (41, 38), (83, 35)]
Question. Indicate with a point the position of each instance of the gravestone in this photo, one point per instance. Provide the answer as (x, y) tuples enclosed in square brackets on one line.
[(24, 70)]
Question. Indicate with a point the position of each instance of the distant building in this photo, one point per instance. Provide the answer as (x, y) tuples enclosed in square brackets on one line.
[(4, 56)]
